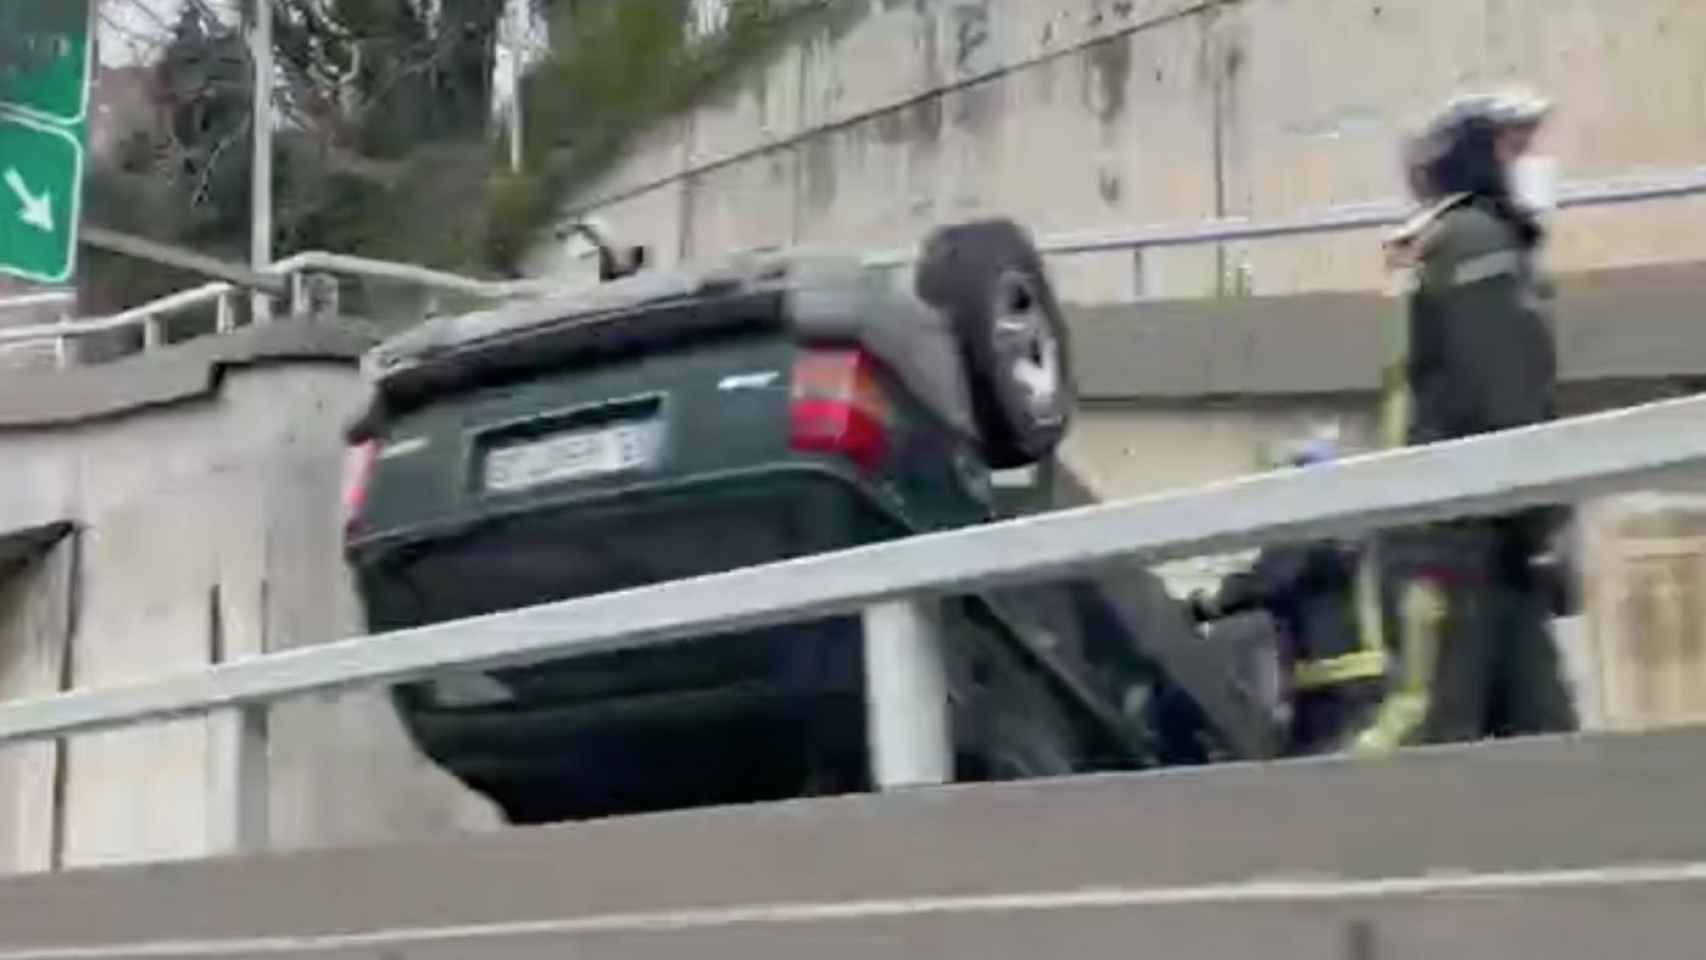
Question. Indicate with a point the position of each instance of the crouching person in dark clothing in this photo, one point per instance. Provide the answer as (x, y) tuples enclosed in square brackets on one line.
[(1464, 606), (1310, 589)]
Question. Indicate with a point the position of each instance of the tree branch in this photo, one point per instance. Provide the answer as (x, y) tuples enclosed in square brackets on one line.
[(199, 196)]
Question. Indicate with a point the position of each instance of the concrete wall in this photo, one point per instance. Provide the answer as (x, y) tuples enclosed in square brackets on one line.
[(1086, 114), (207, 530), (1019, 870), (35, 624), (1075, 115)]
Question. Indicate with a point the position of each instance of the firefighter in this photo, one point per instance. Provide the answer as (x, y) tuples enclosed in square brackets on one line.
[(1309, 589), (1460, 601)]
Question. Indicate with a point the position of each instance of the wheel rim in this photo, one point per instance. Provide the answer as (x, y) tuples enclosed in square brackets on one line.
[(1027, 344)]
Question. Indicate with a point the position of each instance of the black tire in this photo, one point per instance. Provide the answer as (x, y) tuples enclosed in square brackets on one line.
[(988, 278)]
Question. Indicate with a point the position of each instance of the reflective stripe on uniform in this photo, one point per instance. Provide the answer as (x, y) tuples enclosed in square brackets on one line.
[(1394, 377), (1361, 665), (1404, 708), (1370, 660), (1395, 409), (1499, 263), (1370, 618), (1422, 612)]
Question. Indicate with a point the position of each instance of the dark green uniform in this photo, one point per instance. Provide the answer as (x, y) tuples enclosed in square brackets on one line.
[(1336, 681), (1460, 601)]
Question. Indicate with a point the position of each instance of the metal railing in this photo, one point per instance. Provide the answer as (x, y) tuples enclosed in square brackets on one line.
[(42, 299), (1342, 219), (338, 263), (892, 583), (294, 271), (150, 317), (23, 352)]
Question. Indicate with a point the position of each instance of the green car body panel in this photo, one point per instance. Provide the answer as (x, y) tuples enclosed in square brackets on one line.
[(708, 481)]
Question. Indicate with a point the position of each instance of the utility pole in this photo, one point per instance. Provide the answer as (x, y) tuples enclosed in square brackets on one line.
[(515, 121), (260, 193), (518, 23)]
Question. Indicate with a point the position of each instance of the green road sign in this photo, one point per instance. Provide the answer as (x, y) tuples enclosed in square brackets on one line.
[(45, 58), (41, 176)]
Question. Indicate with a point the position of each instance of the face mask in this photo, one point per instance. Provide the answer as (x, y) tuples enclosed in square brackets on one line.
[(1534, 182)]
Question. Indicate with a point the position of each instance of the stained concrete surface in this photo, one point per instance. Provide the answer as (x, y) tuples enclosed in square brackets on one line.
[(1637, 922), (1657, 922), (36, 597), (1533, 807), (185, 372), (1630, 323), (208, 530), (1074, 115)]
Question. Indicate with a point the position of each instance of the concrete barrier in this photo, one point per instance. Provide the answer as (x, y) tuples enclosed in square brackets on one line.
[(1518, 844), (200, 486)]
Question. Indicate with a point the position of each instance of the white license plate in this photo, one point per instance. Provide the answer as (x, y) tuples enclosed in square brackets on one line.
[(570, 456)]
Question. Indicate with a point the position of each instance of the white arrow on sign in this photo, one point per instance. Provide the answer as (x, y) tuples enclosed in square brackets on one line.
[(36, 211)]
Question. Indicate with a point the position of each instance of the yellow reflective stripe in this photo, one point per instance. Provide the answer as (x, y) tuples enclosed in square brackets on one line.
[(1370, 659), (1395, 411), (1424, 609), (1423, 612), (1361, 665), (1371, 619), (1400, 713), (1394, 377), (1404, 709)]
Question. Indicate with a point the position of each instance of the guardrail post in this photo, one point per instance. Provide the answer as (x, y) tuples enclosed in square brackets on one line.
[(152, 334), (299, 295), (314, 296), (62, 346), (241, 784), (225, 316), (239, 780), (906, 695)]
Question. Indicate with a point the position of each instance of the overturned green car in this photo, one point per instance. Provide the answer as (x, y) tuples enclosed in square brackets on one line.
[(680, 423)]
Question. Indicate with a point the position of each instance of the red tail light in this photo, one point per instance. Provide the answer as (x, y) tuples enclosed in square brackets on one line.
[(358, 471), (838, 406)]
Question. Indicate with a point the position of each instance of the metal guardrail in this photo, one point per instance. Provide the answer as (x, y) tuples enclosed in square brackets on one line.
[(27, 348), (149, 316), (344, 264), (292, 272), (1343, 219), (43, 299), (1558, 462)]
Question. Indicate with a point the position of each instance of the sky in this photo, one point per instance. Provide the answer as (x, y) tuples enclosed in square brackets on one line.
[(128, 30), (131, 32)]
